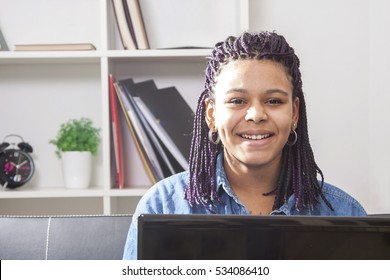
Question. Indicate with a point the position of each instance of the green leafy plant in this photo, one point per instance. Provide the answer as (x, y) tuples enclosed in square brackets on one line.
[(77, 135)]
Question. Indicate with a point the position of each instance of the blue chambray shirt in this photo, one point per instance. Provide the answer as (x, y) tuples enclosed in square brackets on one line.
[(167, 197)]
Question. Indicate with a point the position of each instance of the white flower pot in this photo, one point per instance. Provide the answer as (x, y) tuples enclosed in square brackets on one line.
[(76, 168)]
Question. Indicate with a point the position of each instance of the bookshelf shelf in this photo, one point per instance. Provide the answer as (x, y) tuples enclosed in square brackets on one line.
[(96, 55), (50, 54), (61, 192), (58, 192), (50, 87), (48, 58), (177, 53)]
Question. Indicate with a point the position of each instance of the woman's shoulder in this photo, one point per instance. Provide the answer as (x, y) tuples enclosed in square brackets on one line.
[(343, 203), (174, 183)]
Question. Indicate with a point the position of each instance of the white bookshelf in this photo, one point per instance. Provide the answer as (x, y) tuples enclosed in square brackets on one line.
[(40, 90)]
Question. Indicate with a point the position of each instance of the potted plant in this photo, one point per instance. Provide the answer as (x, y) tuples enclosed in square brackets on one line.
[(77, 141)]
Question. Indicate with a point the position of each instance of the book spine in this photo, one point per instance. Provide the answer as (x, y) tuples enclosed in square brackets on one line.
[(129, 21), (116, 133), (124, 32), (138, 23)]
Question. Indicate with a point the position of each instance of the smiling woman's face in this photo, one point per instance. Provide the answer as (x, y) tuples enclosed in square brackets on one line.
[(253, 111)]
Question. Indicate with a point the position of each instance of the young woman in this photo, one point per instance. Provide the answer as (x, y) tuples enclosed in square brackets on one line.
[(250, 151)]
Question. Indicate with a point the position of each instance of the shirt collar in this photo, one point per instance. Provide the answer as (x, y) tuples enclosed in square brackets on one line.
[(221, 178), (223, 184)]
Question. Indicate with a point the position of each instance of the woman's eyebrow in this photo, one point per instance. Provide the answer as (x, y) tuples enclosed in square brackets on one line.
[(240, 90), (276, 90), (267, 92)]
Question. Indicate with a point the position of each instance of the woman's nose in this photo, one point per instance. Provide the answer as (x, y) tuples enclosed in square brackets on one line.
[(256, 113)]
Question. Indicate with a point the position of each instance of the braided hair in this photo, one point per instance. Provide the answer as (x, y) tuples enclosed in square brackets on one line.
[(299, 170)]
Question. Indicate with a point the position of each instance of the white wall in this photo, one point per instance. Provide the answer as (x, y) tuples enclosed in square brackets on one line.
[(343, 46), (379, 104)]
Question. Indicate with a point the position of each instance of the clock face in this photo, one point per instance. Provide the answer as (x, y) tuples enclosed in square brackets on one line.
[(16, 168)]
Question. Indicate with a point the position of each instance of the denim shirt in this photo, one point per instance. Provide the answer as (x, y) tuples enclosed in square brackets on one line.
[(167, 197)]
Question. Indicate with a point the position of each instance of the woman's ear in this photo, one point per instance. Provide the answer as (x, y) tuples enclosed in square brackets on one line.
[(209, 112), (295, 116)]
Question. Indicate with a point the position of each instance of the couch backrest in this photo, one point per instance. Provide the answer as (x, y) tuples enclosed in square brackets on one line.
[(63, 237)]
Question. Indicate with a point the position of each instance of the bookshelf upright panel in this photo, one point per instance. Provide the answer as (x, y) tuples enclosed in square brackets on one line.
[(40, 90)]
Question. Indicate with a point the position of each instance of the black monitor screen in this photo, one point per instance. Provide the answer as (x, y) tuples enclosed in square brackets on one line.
[(262, 237)]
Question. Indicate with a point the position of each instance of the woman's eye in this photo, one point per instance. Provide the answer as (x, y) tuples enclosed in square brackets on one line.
[(274, 101), (237, 101)]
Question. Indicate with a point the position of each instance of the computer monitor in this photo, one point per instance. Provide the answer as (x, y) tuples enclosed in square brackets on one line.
[(224, 237)]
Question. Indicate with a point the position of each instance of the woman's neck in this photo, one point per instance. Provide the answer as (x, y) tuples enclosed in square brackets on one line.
[(250, 183), (252, 178)]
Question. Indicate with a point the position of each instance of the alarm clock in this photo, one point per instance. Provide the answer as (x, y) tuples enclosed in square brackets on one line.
[(16, 163)]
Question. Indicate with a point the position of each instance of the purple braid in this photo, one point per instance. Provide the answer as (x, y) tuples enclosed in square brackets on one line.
[(202, 160), (299, 170)]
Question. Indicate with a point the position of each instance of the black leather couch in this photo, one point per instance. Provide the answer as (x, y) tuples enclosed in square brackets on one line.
[(63, 237)]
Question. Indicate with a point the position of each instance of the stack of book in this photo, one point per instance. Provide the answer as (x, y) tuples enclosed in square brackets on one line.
[(160, 122), (130, 24)]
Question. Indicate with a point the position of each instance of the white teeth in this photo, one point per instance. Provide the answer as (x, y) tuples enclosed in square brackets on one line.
[(255, 137)]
